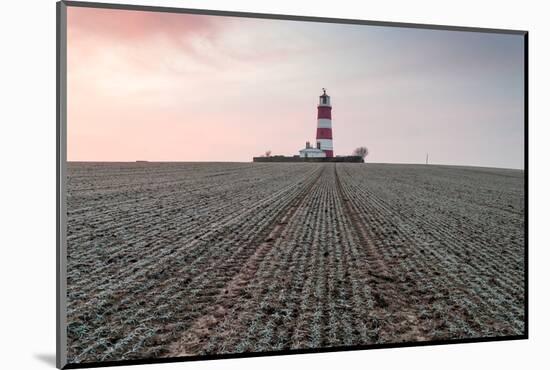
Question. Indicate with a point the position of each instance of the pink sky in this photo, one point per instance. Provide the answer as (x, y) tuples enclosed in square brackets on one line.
[(177, 87)]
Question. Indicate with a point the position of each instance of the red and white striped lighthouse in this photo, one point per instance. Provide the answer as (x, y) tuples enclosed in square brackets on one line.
[(324, 125)]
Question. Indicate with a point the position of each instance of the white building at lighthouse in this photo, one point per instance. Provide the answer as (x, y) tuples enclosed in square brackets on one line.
[(311, 152), (323, 143)]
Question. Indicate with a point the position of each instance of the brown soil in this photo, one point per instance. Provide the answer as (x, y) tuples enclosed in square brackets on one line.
[(211, 258)]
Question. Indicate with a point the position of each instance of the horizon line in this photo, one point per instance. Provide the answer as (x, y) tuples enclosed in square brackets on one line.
[(221, 161)]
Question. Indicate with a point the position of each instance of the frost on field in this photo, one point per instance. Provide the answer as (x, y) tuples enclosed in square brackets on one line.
[(180, 259)]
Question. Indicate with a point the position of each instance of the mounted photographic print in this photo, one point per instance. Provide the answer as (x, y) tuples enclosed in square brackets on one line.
[(235, 184)]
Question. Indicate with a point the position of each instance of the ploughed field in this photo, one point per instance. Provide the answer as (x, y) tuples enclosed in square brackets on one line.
[(178, 259)]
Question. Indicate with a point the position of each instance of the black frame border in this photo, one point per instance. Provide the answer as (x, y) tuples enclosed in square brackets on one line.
[(61, 144)]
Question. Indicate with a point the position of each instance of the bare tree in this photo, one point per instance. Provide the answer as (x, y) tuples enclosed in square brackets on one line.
[(362, 152), (268, 153)]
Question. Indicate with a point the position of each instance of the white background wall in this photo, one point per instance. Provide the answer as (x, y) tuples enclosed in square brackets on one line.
[(28, 188)]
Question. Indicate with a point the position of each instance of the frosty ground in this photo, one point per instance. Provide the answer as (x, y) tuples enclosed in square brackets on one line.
[(177, 259)]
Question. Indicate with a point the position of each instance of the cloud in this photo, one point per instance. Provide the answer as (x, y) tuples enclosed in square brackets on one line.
[(136, 26), (149, 85)]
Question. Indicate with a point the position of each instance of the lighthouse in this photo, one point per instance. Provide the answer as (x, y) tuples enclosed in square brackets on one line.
[(324, 125), (323, 150), (323, 139)]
